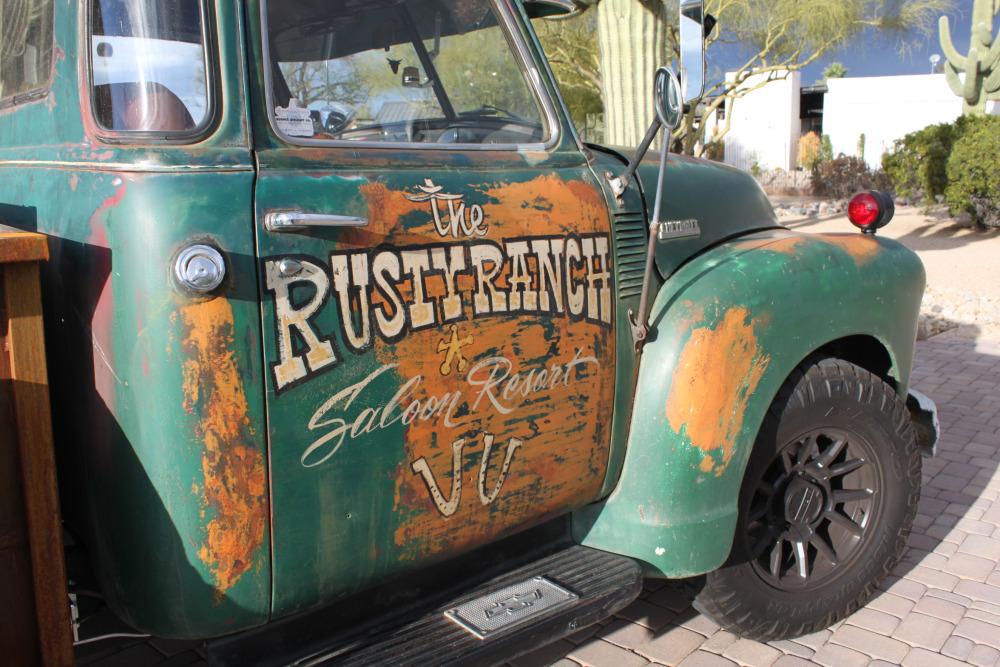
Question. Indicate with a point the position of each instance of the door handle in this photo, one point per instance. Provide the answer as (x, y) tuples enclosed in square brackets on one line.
[(290, 221)]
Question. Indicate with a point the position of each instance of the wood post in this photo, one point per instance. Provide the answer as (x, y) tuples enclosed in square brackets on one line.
[(35, 625)]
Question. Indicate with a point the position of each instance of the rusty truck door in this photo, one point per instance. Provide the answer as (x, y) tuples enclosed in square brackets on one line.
[(436, 277)]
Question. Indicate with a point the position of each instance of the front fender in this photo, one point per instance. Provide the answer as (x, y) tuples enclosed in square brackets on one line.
[(729, 328)]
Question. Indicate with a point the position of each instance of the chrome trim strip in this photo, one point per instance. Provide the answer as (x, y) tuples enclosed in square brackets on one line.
[(506, 22), (136, 167)]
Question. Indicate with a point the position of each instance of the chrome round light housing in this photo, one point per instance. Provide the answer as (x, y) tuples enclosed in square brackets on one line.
[(200, 268)]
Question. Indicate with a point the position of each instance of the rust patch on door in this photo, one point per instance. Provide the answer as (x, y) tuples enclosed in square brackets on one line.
[(234, 488), (717, 373), (531, 404), (386, 209)]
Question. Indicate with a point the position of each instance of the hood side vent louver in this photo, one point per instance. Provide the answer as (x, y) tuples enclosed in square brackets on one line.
[(630, 252)]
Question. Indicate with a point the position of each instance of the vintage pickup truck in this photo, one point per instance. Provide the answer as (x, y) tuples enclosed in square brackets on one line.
[(359, 354)]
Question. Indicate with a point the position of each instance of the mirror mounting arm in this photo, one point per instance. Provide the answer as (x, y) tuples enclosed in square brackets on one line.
[(638, 320), (619, 184)]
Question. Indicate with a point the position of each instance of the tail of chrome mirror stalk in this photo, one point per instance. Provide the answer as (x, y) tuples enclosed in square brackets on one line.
[(550, 9), (669, 99)]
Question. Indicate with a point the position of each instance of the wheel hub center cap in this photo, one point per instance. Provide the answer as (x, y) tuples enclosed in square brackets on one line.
[(803, 502)]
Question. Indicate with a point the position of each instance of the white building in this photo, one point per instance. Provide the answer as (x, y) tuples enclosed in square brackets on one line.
[(765, 126), (767, 123), (883, 109)]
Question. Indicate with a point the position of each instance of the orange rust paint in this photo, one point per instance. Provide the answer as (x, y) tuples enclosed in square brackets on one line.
[(234, 487), (863, 249), (553, 205), (557, 467), (386, 209), (787, 244), (717, 372), (707, 464)]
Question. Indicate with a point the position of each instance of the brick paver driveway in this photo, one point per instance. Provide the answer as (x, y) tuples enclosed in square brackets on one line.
[(941, 607)]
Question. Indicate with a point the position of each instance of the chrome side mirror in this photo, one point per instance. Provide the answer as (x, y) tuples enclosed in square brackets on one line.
[(667, 98), (692, 49)]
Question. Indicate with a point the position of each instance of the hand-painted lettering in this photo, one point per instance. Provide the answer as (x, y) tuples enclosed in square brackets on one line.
[(542, 276), (493, 383)]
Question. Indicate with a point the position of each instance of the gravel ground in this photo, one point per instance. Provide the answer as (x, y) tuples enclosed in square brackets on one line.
[(962, 262)]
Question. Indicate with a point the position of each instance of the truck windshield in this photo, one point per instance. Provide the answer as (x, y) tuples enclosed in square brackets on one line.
[(401, 71), (148, 65)]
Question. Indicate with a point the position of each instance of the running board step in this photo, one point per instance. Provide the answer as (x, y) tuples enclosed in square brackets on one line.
[(510, 615)]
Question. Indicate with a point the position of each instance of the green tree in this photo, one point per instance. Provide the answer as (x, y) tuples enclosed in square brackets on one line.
[(778, 37), (320, 80), (981, 66), (571, 48), (834, 70), (825, 149)]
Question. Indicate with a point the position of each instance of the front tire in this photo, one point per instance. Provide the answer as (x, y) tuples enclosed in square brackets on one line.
[(826, 505)]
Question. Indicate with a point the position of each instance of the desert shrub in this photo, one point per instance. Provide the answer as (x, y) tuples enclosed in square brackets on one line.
[(918, 163), (973, 177), (809, 151), (845, 176)]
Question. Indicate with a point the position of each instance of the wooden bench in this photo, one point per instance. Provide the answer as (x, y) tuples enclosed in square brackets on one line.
[(35, 626)]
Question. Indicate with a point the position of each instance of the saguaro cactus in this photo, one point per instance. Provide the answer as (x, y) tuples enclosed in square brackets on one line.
[(633, 39), (982, 64)]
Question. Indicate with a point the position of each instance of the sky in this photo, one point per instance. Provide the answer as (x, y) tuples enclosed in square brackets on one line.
[(868, 55)]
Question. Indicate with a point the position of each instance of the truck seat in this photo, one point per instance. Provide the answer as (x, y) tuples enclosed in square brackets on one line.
[(131, 107)]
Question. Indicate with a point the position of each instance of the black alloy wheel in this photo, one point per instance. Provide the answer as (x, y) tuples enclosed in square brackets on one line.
[(813, 508)]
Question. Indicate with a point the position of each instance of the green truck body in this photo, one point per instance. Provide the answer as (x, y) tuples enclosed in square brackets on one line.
[(456, 371)]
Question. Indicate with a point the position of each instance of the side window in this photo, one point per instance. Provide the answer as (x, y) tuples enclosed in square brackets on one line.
[(405, 71), (25, 48), (149, 66)]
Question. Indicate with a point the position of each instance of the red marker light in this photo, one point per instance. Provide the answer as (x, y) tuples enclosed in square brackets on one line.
[(864, 211)]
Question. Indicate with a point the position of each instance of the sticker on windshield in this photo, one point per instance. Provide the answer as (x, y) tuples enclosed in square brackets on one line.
[(294, 121)]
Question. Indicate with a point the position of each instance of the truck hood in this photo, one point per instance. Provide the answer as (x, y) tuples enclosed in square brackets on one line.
[(724, 200)]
